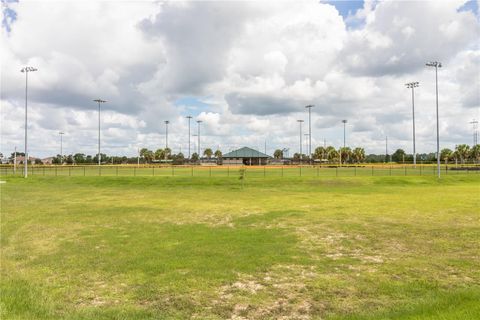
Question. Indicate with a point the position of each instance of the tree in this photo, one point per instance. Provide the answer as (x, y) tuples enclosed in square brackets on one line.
[(194, 156), (398, 155), (278, 154), (446, 154), (208, 153), (160, 154), (218, 154), (332, 154), (319, 153), (463, 152), (358, 155), (168, 153), (38, 161), (69, 159), (79, 158), (148, 155), (345, 154), (475, 153)]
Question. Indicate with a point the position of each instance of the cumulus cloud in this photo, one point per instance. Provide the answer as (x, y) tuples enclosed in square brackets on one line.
[(249, 69)]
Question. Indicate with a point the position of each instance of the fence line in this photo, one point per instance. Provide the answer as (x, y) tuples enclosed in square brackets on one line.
[(254, 171)]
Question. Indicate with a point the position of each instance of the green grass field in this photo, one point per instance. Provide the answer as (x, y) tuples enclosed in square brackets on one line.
[(293, 247)]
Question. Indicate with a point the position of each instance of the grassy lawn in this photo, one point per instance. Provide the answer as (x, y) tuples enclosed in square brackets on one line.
[(293, 247)]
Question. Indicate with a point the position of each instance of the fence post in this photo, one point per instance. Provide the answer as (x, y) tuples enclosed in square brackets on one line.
[(228, 171), (84, 171), (420, 170), (336, 171), (43, 170), (264, 172), (372, 171), (355, 171), (153, 171), (210, 172), (318, 171), (405, 168), (100, 171), (173, 170), (55, 171), (282, 170), (134, 172), (69, 171), (300, 171), (390, 169), (192, 171)]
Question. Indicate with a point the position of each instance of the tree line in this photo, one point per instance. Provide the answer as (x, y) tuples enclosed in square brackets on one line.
[(463, 153)]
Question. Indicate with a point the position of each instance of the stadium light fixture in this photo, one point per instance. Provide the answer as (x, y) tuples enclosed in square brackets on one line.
[(99, 101), (413, 85)]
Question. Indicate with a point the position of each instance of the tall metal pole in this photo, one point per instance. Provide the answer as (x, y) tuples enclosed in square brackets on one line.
[(26, 70), (199, 121), (61, 146), (386, 149), (474, 124), (166, 133), (437, 65), (309, 107), (413, 85), (99, 102), (189, 118), (25, 158), (15, 161), (344, 125), (300, 123)]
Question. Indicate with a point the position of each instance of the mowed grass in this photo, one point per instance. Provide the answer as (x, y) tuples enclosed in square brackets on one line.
[(297, 248)]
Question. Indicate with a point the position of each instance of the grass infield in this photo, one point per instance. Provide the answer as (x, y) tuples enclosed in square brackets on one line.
[(75, 247)]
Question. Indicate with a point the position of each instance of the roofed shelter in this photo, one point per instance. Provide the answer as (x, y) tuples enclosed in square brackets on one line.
[(245, 156)]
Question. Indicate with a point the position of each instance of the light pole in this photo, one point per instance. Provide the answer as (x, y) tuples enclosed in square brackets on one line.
[(26, 70), (61, 146), (166, 133), (437, 65), (474, 124), (189, 118), (344, 125), (386, 149), (300, 123), (166, 138), (413, 85), (306, 135), (99, 102), (309, 107), (199, 121)]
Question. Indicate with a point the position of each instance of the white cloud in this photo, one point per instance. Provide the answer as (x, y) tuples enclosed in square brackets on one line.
[(254, 65)]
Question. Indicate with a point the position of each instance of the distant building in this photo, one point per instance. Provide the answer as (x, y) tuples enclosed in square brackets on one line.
[(245, 156), (48, 160)]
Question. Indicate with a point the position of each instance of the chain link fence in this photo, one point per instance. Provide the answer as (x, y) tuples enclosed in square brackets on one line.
[(250, 171)]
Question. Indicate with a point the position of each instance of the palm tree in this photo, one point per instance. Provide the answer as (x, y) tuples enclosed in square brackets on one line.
[(446, 154), (278, 154), (208, 153), (194, 156), (147, 154), (168, 153), (358, 155), (319, 153), (218, 154), (475, 153), (160, 154), (463, 151), (332, 154), (345, 154)]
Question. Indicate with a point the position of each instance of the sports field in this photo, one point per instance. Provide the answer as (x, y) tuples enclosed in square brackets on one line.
[(142, 247)]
